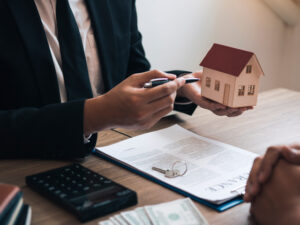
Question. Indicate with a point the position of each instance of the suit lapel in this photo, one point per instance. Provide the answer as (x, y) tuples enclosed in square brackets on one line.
[(103, 28), (31, 30)]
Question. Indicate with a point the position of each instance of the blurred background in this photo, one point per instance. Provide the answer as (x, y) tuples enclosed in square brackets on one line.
[(178, 33)]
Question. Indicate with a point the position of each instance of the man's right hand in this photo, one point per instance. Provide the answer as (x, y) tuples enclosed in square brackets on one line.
[(129, 105)]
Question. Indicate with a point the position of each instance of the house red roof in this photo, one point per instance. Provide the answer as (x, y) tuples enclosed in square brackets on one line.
[(226, 59)]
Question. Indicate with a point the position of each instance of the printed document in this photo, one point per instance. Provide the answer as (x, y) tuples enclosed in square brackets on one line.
[(217, 172)]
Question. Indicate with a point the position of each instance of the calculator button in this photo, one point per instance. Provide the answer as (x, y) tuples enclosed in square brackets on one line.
[(75, 192), (62, 195), (86, 188), (51, 188), (107, 182)]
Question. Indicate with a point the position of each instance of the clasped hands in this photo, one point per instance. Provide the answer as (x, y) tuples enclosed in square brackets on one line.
[(273, 187), (129, 105)]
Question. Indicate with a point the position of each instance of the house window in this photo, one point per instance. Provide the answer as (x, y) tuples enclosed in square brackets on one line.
[(241, 90), (208, 81), (251, 89), (217, 85), (249, 69)]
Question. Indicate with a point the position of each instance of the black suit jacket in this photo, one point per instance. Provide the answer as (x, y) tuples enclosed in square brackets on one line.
[(33, 122)]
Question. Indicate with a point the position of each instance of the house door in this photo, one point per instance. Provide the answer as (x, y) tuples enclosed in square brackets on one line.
[(226, 94)]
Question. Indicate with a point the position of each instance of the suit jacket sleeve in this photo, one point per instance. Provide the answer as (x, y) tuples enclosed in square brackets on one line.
[(51, 132)]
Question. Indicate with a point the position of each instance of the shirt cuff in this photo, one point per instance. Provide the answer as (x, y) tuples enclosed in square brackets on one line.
[(182, 101)]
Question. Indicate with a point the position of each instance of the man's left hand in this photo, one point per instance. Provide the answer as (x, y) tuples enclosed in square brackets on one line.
[(193, 92)]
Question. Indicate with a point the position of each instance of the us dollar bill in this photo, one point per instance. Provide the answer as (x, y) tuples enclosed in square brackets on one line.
[(179, 212)]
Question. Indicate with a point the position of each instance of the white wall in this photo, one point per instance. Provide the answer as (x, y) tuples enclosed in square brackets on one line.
[(290, 70), (178, 33)]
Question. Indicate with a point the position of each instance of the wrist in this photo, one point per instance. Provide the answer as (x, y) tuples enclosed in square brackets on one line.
[(96, 115)]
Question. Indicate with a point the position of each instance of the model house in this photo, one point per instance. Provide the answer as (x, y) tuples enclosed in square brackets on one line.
[(231, 76)]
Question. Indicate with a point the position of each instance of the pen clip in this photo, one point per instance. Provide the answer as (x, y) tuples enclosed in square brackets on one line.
[(158, 79)]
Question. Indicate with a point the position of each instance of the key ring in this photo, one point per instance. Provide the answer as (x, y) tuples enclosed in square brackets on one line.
[(185, 164)]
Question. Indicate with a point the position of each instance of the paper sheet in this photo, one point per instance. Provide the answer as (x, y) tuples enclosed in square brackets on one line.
[(214, 168)]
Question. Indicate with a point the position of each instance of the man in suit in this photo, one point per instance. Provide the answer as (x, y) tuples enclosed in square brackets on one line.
[(273, 186), (71, 68)]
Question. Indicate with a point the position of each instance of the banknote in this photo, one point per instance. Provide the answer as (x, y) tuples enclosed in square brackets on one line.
[(114, 221), (179, 212), (133, 217), (106, 222), (120, 220), (143, 215)]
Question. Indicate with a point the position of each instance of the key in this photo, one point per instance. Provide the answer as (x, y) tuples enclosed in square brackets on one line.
[(167, 173)]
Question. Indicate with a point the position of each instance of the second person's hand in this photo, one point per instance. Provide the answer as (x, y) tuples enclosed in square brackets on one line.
[(262, 168)]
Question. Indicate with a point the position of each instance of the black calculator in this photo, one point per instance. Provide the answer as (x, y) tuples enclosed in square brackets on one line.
[(83, 192)]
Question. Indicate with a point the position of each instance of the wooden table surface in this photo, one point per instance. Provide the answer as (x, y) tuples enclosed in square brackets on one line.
[(276, 120)]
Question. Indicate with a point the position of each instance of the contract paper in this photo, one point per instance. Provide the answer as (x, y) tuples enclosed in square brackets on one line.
[(216, 171)]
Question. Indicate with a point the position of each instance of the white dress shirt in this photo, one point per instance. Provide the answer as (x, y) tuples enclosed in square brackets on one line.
[(47, 11)]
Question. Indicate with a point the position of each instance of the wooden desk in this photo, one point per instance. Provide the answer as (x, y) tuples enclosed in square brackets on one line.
[(276, 120)]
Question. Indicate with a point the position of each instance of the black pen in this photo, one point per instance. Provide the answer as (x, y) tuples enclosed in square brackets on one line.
[(160, 81)]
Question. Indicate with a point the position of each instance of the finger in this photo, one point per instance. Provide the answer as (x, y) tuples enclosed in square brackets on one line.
[(188, 75), (157, 116), (292, 154), (198, 74), (258, 209), (211, 105), (295, 146), (225, 112), (234, 114), (270, 159), (152, 94), (160, 104), (252, 187), (142, 78), (221, 112)]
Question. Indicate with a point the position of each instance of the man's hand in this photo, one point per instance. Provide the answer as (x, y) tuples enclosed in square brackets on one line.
[(279, 200), (193, 92), (263, 167), (129, 105)]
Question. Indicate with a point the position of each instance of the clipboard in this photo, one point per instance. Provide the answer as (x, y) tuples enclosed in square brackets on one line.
[(220, 208)]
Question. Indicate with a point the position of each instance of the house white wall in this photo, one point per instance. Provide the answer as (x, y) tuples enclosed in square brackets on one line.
[(210, 92), (246, 79), (178, 33)]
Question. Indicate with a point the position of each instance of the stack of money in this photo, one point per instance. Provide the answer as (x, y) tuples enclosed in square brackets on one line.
[(179, 212)]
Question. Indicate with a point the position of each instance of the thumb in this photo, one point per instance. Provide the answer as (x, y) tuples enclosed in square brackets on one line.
[(292, 154), (180, 82), (198, 74)]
